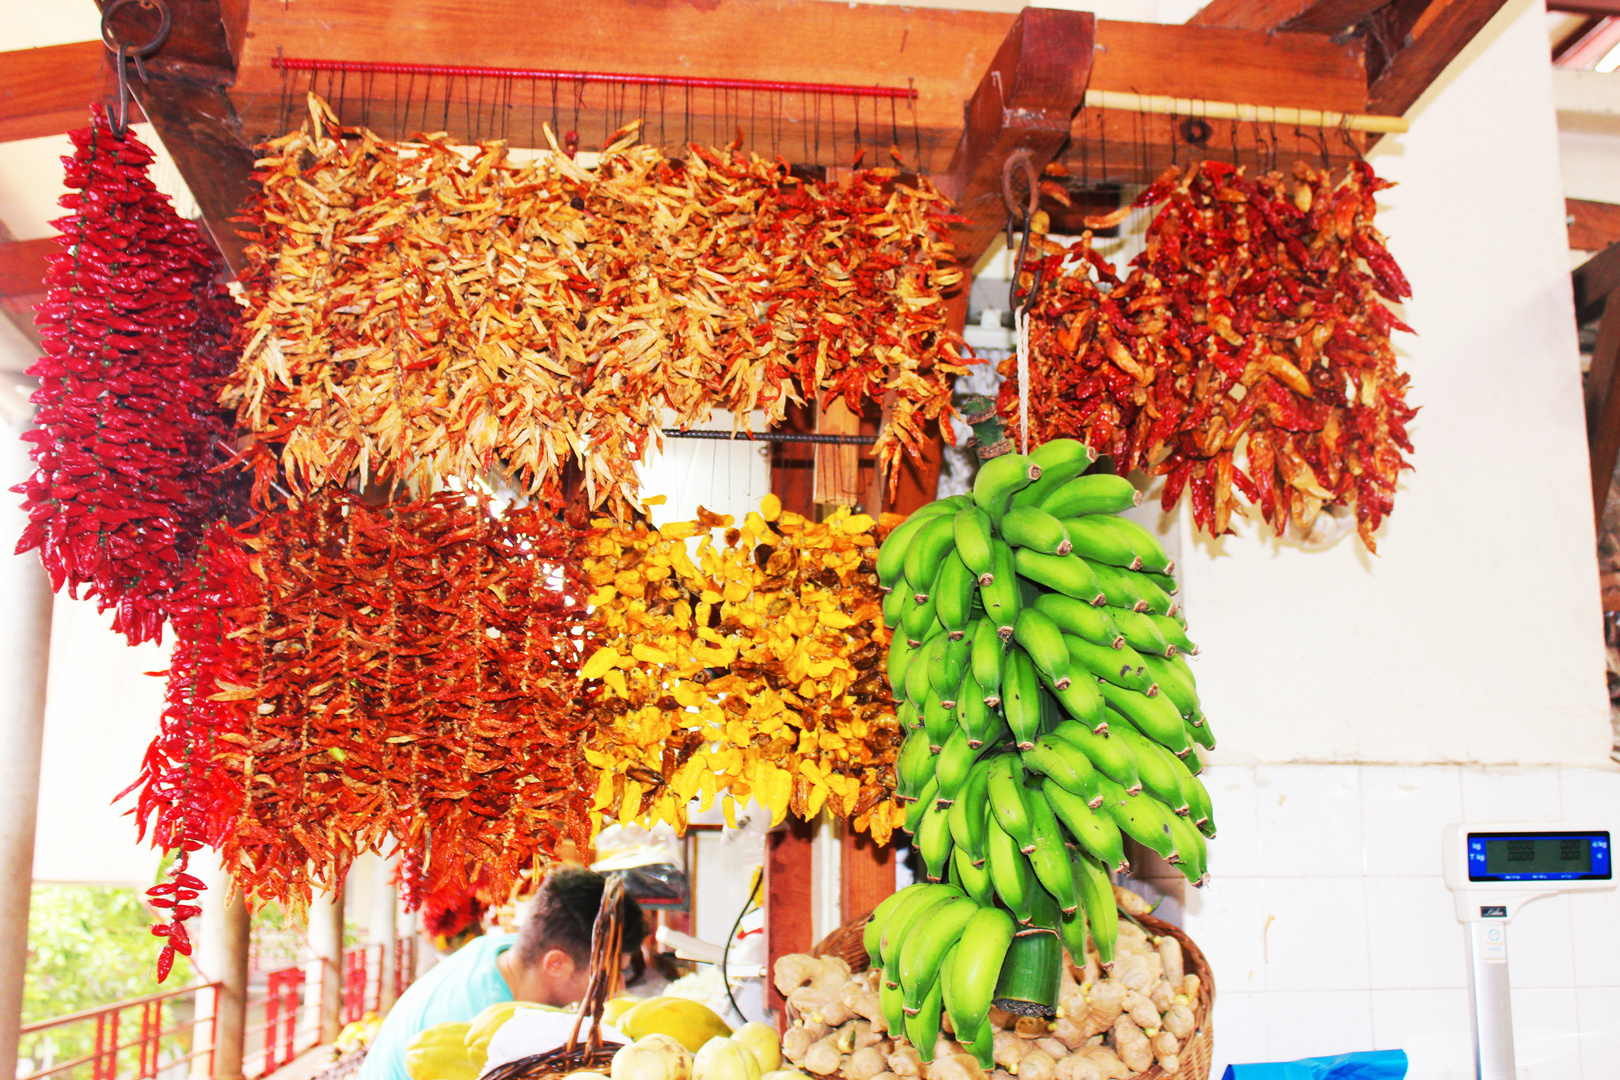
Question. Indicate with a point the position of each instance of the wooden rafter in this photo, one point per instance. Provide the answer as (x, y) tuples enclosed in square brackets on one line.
[(1599, 8), (48, 91), (1319, 16), (1410, 42), (22, 265), (1593, 226)]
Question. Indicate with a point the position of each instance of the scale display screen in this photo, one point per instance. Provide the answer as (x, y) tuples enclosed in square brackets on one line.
[(1549, 856)]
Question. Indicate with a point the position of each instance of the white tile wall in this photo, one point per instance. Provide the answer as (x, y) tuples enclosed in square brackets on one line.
[(1329, 927)]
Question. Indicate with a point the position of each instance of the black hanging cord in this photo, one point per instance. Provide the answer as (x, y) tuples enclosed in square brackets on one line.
[(725, 951)]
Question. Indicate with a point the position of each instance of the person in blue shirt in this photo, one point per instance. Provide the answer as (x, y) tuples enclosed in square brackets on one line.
[(546, 962)]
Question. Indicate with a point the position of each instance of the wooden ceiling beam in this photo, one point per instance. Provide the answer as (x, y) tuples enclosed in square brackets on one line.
[(1026, 101), (1598, 8), (1593, 226), (48, 91), (1314, 16), (23, 266), (1410, 42)]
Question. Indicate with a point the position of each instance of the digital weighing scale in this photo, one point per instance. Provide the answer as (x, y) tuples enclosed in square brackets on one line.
[(1493, 869)]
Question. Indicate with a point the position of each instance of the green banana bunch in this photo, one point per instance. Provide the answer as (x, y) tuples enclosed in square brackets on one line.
[(1040, 666)]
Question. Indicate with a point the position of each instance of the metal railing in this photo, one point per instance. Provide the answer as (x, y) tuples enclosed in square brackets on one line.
[(362, 981), (156, 1049)]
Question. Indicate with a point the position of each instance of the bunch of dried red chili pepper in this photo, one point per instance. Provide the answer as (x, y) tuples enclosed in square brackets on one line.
[(405, 671), (1246, 352), (136, 326), (421, 311)]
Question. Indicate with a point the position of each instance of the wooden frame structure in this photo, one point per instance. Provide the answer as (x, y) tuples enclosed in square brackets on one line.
[(988, 84)]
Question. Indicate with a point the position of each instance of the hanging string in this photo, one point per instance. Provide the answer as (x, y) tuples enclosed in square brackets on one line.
[(1021, 326), (916, 129)]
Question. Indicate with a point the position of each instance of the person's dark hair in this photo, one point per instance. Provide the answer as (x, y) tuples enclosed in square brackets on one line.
[(562, 913)]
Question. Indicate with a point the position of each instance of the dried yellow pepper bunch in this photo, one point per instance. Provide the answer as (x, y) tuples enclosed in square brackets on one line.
[(748, 667)]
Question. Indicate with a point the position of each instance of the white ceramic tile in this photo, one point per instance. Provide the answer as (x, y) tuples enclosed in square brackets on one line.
[(1591, 795), (1594, 919), (1541, 945), (1239, 1027), (1317, 934), (1235, 851), (1414, 940), (1546, 1037), (1227, 918), (1310, 819), (1511, 795), (1598, 1010), (1317, 1023), (1403, 810), (1432, 1026)]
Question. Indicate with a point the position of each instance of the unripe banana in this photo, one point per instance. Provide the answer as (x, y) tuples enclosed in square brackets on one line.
[(975, 968), (1159, 778), (926, 551), (1163, 581), (1095, 542), (1192, 857), (913, 766), (1021, 698), (1200, 812), (1097, 899), (1006, 792), (1064, 765), (1199, 733), (1154, 716), (1061, 460), (1081, 618), (925, 799), (970, 811), (891, 1000), (953, 765), (907, 716), (1083, 702), (1095, 833), (999, 479), (1099, 493), (1174, 634), (872, 934), (1149, 553), (989, 651), (1141, 633), (972, 532), (982, 723), (897, 660), (920, 621), (891, 935), (946, 665), (975, 880), (1050, 859), (934, 841), (1143, 819), (1033, 528), (1131, 591), (1010, 872), (1112, 758), (891, 560), (922, 1030), (894, 608), (1173, 684), (926, 946), (1001, 597), (1043, 641), (983, 1046), (919, 673), (938, 721), (955, 590), (1120, 667), (1065, 574)]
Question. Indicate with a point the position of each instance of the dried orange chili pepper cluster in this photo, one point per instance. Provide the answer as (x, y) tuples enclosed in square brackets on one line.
[(406, 671), (421, 312), (749, 667), (1246, 352)]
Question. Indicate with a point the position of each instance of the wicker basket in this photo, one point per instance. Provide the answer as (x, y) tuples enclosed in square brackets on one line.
[(1197, 1054)]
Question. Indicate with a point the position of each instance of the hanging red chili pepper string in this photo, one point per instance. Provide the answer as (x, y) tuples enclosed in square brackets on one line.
[(136, 328)]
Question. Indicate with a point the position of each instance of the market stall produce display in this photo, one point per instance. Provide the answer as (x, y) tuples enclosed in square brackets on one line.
[(1038, 660), (421, 313), (1247, 352), (748, 667), (1107, 1025), (136, 325)]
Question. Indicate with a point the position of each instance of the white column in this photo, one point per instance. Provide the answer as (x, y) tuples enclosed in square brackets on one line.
[(223, 939), (25, 634), (325, 987), (384, 926)]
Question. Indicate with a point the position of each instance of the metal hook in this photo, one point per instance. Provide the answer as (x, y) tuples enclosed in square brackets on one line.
[(1020, 159), (126, 53)]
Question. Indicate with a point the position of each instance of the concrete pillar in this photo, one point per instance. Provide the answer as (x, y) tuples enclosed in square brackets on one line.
[(326, 942), (25, 635), (384, 927)]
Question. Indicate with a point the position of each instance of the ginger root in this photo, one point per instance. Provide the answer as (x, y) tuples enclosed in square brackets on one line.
[(1037, 1065), (1131, 1045), (1106, 1061), (1131, 903), (831, 974), (865, 1063), (1009, 1050), (905, 1061), (1179, 1021), (1165, 1050), (796, 1042), (1032, 1027), (1103, 1005), (1170, 954), (1069, 1032), (953, 1067), (823, 1058), (794, 970), (1163, 995), (1078, 1067), (1055, 1047), (1140, 1010)]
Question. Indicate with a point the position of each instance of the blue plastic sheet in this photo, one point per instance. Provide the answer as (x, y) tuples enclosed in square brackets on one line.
[(1370, 1065)]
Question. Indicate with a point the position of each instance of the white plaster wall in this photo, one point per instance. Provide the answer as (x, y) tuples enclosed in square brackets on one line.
[(1474, 636)]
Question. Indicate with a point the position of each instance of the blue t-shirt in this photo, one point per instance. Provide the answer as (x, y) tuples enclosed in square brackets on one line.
[(457, 988)]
